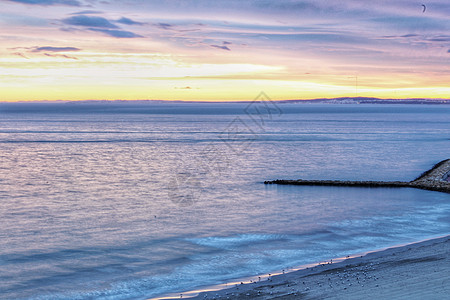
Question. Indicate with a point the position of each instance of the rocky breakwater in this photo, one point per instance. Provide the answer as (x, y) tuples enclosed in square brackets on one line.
[(435, 179)]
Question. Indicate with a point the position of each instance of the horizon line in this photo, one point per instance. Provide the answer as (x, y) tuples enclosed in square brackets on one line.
[(221, 101)]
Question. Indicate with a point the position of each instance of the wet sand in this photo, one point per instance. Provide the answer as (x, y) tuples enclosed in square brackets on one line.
[(415, 271)]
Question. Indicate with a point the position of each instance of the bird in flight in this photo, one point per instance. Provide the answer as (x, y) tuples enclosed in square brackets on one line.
[(424, 8)]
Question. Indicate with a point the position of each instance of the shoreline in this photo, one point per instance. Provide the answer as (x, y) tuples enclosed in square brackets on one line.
[(286, 284), (346, 276)]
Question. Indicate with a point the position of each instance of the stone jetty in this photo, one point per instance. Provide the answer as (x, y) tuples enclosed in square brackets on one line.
[(435, 179)]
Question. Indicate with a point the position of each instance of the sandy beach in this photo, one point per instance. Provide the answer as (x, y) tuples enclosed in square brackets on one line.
[(414, 271)]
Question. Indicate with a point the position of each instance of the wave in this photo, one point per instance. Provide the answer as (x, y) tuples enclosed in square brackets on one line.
[(231, 242)]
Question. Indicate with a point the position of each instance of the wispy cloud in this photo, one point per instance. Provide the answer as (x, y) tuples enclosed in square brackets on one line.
[(87, 12), (49, 51), (88, 21), (221, 47), (117, 33), (55, 49), (441, 38), (24, 56), (128, 21), (164, 26), (48, 2), (102, 25), (60, 55)]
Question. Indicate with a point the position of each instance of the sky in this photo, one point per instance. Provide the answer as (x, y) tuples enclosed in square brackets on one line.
[(223, 50)]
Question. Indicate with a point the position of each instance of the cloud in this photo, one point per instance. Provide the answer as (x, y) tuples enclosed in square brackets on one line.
[(70, 29), (87, 12), (24, 56), (60, 55), (184, 88), (164, 26), (87, 21), (54, 49), (221, 47), (410, 35), (127, 21), (103, 25), (398, 37), (117, 33), (49, 2), (442, 38)]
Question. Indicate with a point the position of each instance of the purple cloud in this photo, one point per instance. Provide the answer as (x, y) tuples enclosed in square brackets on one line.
[(87, 12), (103, 25), (442, 38), (117, 33), (127, 21), (55, 49), (60, 55), (221, 47), (164, 26), (87, 21)]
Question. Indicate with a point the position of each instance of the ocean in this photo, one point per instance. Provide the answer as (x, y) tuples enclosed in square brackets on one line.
[(125, 201)]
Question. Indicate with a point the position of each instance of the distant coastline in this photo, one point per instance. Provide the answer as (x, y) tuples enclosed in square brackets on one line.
[(197, 107), (370, 100), (338, 100)]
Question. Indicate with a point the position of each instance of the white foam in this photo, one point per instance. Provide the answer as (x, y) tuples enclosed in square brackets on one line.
[(230, 242)]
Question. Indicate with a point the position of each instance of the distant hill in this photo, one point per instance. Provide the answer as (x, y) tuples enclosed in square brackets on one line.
[(369, 100)]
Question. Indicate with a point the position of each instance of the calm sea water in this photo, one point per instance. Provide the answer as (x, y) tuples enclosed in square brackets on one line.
[(124, 203)]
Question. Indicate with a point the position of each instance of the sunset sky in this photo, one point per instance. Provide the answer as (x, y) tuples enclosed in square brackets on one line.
[(223, 49)]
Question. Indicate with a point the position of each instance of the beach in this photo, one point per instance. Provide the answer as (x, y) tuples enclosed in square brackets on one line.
[(414, 271)]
